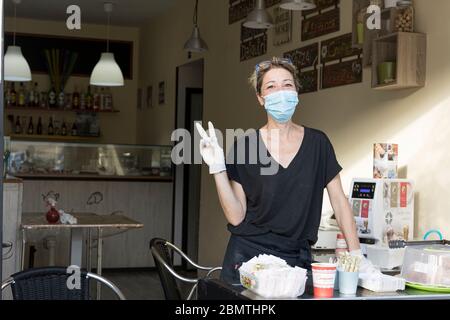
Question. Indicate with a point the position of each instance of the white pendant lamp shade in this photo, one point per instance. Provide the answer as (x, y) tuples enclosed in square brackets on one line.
[(16, 67), (259, 18), (195, 42), (106, 72), (297, 5)]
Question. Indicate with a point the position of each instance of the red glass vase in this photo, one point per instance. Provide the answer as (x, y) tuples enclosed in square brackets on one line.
[(52, 216)]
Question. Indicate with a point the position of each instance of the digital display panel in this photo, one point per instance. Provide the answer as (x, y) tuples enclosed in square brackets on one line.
[(363, 190)]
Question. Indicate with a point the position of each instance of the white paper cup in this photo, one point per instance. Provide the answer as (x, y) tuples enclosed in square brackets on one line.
[(324, 275)]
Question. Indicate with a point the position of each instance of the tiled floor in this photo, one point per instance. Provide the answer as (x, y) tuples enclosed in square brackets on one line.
[(139, 285)]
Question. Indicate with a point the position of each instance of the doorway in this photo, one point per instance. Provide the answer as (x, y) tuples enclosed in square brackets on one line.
[(187, 184)]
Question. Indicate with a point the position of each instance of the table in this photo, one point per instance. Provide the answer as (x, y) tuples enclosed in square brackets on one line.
[(214, 289), (89, 221)]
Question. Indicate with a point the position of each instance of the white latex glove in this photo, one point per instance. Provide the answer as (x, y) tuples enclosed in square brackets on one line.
[(210, 149), (365, 265)]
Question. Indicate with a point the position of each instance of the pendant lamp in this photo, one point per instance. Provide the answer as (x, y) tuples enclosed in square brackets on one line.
[(259, 18), (16, 67), (298, 5), (195, 42), (107, 72)]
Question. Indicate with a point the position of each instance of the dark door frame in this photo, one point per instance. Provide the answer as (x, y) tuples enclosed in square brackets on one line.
[(177, 77), (186, 174)]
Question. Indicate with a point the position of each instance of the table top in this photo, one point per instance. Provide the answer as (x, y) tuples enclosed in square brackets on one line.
[(85, 220), (361, 294)]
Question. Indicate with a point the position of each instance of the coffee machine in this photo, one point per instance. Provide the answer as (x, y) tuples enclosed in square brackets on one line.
[(383, 210)]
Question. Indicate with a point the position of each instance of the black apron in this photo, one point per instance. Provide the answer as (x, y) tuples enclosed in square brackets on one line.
[(241, 249)]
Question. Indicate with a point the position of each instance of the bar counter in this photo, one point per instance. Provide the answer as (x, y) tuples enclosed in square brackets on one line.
[(214, 289)]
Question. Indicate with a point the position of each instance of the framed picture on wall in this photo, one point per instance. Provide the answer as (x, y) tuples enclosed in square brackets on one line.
[(149, 97), (139, 98), (283, 26), (161, 94)]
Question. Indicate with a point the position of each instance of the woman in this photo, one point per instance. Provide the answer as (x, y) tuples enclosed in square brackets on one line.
[(277, 214)]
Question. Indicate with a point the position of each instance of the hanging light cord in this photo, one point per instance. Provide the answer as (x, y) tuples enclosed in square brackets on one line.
[(195, 13), (107, 32), (15, 18)]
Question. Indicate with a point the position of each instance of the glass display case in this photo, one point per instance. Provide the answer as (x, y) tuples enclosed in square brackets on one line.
[(32, 159)]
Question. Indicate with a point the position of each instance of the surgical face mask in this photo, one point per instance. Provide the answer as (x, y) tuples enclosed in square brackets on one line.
[(281, 105)]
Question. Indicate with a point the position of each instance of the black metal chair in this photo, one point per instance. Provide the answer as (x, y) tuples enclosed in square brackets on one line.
[(160, 250), (51, 283)]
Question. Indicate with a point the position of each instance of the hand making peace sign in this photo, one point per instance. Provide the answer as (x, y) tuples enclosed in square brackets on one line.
[(210, 149)]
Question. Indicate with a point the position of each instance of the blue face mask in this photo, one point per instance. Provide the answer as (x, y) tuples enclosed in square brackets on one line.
[(281, 105)]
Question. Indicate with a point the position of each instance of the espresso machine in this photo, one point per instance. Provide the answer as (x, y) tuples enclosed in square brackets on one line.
[(383, 210)]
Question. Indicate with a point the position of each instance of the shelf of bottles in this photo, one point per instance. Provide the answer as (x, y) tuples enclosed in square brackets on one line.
[(84, 103), (96, 99), (24, 127)]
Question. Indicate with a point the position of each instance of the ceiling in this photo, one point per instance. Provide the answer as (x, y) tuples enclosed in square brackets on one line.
[(125, 12)]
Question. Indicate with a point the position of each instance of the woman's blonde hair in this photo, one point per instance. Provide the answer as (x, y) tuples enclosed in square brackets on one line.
[(256, 79)]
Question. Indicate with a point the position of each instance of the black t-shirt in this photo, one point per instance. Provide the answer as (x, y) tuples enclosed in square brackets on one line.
[(288, 203)]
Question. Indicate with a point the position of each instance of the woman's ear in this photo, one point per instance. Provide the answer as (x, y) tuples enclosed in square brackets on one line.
[(260, 99)]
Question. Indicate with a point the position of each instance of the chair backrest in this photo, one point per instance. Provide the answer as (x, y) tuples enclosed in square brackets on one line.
[(168, 282), (50, 283)]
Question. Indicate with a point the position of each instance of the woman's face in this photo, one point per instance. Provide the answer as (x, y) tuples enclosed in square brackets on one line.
[(275, 80)]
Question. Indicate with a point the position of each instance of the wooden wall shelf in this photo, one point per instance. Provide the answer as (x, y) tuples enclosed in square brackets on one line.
[(51, 137), (408, 51), (15, 108), (388, 18)]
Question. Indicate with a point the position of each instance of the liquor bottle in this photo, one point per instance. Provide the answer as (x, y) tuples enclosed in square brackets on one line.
[(61, 100), (30, 126), (18, 129), (50, 130), (76, 99), (36, 99), (89, 99), (64, 129), (74, 131), (13, 96), (102, 99), (52, 98), (82, 100), (30, 99), (43, 103), (39, 126), (8, 95), (108, 100), (21, 95), (97, 101)]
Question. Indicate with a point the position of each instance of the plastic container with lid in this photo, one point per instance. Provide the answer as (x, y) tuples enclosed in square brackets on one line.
[(427, 265), (384, 257)]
